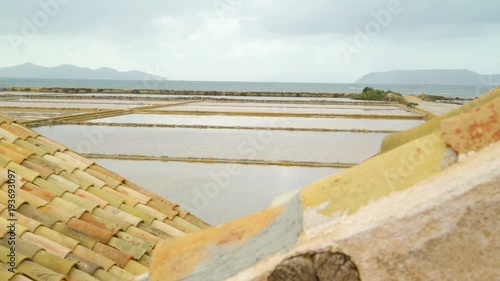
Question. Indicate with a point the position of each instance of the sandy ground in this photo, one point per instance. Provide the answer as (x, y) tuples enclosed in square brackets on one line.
[(433, 107)]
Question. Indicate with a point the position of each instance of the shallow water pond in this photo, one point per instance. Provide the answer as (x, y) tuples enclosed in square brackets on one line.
[(217, 193), (323, 147), (268, 122), (284, 110)]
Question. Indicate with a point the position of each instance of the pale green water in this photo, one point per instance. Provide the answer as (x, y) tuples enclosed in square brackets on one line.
[(217, 192), (324, 147)]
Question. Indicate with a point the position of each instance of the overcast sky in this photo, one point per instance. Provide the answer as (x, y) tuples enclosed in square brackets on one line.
[(253, 40)]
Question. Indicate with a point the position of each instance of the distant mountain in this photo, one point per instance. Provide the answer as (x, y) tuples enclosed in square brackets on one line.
[(66, 71), (436, 76)]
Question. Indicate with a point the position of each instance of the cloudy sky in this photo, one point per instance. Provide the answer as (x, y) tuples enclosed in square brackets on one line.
[(253, 40)]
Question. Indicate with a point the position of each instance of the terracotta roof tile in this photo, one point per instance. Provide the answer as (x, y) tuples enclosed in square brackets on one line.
[(76, 274), (45, 163), (144, 199), (26, 145), (57, 237), (37, 191), (87, 177), (49, 186), (122, 215), (83, 183), (109, 216), (127, 200), (64, 183), (98, 233), (75, 219), (108, 173), (84, 239), (83, 264), (44, 218), (100, 222), (26, 249), (8, 136), (16, 130), (113, 200), (38, 272), (138, 213), (167, 228), (53, 262), (121, 273), (91, 197), (105, 276), (57, 213), (52, 143), (142, 234), (14, 156), (4, 258), (19, 277), (84, 160), (119, 257), (87, 254), (59, 162), (135, 268), (45, 243), (69, 207), (25, 152), (5, 119), (135, 251), (111, 182), (47, 148), (79, 201), (41, 170)]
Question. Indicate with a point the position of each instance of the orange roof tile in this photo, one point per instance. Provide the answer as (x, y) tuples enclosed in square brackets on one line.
[(76, 219)]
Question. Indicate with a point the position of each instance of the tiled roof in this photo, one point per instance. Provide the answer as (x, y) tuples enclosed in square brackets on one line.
[(75, 220)]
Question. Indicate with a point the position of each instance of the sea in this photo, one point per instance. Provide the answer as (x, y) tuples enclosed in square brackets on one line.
[(460, 91)]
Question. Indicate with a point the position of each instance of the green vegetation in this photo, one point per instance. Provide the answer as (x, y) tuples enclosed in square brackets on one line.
[(369, 93)]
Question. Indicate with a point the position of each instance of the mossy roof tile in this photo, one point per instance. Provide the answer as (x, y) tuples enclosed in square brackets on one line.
[(37, 215), (47, 148), (72, 213), (87, 177), (57, 237), (44, 172), (16, 130), (101, 234), (84, 239), (121, 273), (52, 143), (26, 145), (83, 264), (91, 197), (119, 257), (111, 182), (12, 155), (45, 243), (79, 201), (53, 262), (93, 256), (105, 276), (38, 272), (8, 136)]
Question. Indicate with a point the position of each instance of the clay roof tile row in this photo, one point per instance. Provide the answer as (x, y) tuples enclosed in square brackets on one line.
[(74, 219)]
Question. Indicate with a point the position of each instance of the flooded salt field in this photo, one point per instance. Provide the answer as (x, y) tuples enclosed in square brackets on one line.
[(217, 193), (94, 101), (340, 111), (51, 104), (323, 147), (33, 114), (296, 105), (269, 122)]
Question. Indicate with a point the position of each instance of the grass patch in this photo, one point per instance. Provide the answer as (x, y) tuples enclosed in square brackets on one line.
[(369, 93)]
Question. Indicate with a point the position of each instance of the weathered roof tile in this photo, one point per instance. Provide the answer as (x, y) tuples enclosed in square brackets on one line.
[(75, 219)]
